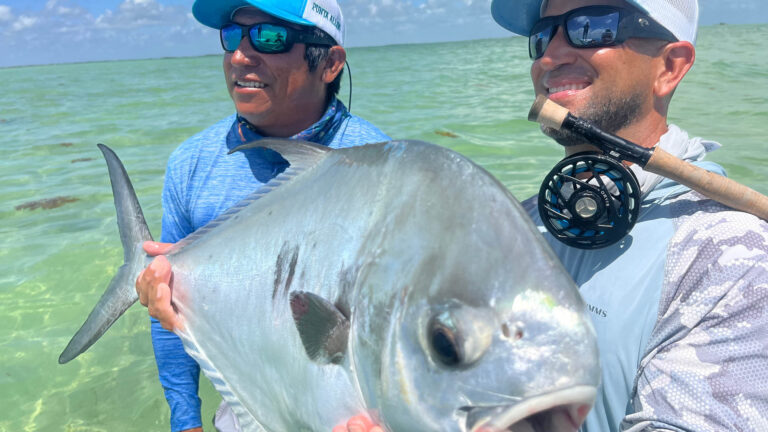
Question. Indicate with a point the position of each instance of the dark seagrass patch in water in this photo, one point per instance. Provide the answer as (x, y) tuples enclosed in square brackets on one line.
[(47, 203), (446, 134)]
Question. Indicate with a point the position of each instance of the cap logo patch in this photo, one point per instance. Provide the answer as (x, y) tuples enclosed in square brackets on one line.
[(321, 11)]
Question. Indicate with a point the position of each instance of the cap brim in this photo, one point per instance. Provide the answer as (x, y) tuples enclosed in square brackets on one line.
[(217, 13), (517, 16)]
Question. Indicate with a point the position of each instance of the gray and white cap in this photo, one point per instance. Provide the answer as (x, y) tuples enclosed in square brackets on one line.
[(681, 17)]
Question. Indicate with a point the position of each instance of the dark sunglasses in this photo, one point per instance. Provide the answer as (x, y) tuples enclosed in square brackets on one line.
[(595, 27), (268, 38)]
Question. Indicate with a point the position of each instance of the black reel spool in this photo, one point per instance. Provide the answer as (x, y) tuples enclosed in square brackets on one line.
[(589, 200)]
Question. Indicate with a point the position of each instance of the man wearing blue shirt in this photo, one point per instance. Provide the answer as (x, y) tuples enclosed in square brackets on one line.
[(283, 63)]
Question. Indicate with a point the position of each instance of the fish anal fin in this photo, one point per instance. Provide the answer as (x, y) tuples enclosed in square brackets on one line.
[(323, 328)]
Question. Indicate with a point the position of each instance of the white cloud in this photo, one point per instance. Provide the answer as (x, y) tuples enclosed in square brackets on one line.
[(62, 9), (5, 14), (381, 22), (24, 22), (363, 12), (141, 13), (141, 28)]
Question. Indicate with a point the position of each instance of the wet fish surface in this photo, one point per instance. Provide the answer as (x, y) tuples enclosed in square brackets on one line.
[(397, 279)]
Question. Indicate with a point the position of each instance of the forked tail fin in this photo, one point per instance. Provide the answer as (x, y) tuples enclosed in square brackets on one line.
[(121, 293)]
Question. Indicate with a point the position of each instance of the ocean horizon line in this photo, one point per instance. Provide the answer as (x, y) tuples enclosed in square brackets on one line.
[(511, 35), (80, 62)]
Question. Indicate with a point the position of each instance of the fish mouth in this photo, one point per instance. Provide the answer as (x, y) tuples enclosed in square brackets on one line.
[(560, 411)]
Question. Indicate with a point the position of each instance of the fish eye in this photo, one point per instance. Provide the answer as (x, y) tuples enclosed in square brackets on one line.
[(444, 343), (457, 336)]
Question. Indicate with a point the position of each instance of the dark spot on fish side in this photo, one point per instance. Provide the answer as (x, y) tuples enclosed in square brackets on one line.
[(446, 134), (282, 261), (3, 121), (278, 274), (291, 270), (82, 160), (47, 204), (66, 144)]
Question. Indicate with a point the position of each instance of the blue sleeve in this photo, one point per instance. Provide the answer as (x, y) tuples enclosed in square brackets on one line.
[(176, 221), (179, 374)]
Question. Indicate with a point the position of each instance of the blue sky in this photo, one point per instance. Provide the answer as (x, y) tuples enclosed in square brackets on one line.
[(57, 31)]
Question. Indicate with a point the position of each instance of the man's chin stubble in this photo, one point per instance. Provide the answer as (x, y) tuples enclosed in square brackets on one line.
[(610, 115)]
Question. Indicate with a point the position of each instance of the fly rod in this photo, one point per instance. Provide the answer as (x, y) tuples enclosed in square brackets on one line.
[(657, 161)]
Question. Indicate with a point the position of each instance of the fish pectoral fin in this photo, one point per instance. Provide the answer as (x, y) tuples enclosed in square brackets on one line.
[(323, 328)]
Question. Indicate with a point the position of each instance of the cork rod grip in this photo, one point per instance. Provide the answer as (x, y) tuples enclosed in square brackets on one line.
[(547, 113), (711, 185)]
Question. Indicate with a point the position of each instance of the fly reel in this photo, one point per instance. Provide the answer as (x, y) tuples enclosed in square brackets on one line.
[(589, 200)]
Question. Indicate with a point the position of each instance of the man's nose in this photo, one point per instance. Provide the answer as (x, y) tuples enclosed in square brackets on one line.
[(245, 55)]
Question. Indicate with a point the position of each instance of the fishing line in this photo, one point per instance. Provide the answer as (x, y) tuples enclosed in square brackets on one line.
[(349, 74)]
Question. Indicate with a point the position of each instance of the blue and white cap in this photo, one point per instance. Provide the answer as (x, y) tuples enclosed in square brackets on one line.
[(681, 17), (323, 14)]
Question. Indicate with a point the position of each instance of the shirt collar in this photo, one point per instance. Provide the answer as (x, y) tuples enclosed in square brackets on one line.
[(321, 132)]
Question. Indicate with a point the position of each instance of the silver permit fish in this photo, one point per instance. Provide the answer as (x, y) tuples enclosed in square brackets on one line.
[(396, 279)]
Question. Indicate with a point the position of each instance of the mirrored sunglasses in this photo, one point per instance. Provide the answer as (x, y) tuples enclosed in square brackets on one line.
[(268, 38), (595, 27)]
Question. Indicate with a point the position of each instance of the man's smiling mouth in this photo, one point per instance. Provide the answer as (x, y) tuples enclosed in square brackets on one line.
[(250, 84), (570, 87)]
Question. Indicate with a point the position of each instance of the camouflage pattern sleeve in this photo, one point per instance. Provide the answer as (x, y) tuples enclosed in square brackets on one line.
[(706, 366)]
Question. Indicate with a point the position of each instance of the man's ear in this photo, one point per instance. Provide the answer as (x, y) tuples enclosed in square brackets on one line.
[(334, 63), (676, 59)]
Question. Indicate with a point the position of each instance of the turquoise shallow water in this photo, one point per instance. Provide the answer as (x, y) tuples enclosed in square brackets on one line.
[(54, 263)]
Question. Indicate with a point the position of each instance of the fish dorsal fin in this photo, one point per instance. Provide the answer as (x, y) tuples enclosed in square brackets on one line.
[(324, 330), (302, 155)]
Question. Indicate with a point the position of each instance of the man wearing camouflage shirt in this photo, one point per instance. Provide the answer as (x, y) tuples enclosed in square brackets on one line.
[(680, 305)]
